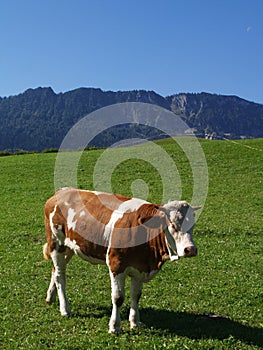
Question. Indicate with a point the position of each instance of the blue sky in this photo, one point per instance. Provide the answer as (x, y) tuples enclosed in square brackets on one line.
[(168, 46)]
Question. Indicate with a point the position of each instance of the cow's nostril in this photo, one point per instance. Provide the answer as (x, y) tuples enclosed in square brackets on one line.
[(187, 250), (190, 251)]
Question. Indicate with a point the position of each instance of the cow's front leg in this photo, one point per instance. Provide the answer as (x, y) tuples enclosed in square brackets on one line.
[(136, 291), (59, 277), (117, 296)]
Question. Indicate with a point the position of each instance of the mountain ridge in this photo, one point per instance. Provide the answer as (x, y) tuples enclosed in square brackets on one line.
[(39, 118)]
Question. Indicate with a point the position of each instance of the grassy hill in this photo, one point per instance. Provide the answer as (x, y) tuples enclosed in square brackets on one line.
[(213, 301)]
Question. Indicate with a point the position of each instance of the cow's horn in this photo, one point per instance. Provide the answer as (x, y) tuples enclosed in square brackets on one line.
[(197, 207)]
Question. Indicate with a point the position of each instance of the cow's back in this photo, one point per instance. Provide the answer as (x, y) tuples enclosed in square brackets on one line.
[(82, 220)]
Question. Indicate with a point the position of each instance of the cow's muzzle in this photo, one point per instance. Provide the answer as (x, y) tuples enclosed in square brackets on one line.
[(190, 251)]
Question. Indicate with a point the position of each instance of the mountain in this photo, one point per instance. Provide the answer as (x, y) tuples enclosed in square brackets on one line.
[(211, 113), (39, 118)]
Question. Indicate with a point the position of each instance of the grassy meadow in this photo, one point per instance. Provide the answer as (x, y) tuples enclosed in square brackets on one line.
[(213, 301)]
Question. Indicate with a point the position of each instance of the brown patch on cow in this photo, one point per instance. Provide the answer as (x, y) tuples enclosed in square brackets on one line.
[(144, 258), (92, 212), (142, 244), (57, 220), (96, 202)]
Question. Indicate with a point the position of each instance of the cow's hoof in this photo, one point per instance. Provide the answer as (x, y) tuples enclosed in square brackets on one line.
[(115, 331), (51, 300), (134, 327)]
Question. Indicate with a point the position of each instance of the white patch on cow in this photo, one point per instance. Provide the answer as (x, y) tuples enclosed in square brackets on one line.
[(82, 213), (174, 257), (117, 293), (174, 210), (179, 232), (76, 249), (127, 206), (183, 240), (57, 233), (70, 222), (132, 204), (72, 245), (66, 203), (97, 192), (135, 293), (59, 277), (170, 242), (51, 215), (59, 227), (115, 216)]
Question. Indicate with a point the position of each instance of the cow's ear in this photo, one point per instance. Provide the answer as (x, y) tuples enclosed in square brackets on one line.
[(142, 221), (152, 221)]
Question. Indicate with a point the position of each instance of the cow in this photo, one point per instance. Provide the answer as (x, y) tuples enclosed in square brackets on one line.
[(131, 236)]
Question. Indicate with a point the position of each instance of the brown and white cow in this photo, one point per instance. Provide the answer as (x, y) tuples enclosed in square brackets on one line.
[(133, 237)]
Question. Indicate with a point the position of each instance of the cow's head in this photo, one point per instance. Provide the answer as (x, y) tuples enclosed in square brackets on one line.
[(181, 222)]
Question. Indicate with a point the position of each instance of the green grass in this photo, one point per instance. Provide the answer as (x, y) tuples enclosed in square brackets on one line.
[(213, 301)]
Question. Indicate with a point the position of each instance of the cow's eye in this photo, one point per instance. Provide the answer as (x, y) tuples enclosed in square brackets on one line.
[(175, 226)]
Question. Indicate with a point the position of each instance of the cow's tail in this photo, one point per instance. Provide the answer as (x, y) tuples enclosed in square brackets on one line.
[(46, 251)]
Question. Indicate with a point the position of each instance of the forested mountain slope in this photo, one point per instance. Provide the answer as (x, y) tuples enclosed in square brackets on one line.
[(39, 118)]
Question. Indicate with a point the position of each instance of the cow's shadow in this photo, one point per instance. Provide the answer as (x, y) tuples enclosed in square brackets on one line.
[(197, 326), (193, 326)]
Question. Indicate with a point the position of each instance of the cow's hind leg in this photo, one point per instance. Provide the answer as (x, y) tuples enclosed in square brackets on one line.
[(52, 290), (60, 258), (136, 291), (117, 296)]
